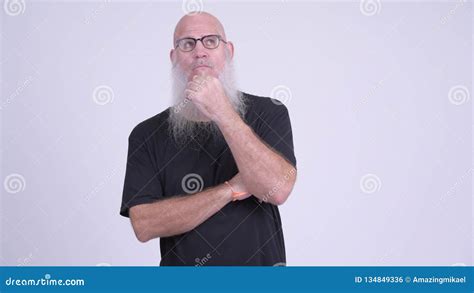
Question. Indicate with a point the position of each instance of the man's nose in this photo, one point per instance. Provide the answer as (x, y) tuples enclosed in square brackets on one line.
[(200, 51)]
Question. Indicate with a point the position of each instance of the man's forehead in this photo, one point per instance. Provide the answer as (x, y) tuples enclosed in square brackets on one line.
[(197, 32), (198, 26)]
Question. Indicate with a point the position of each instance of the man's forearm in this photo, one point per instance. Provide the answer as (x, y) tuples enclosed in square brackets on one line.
[(178, 214), (266, 174)]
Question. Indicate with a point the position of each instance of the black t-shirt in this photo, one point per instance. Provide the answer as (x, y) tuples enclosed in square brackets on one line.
[(247, 232)]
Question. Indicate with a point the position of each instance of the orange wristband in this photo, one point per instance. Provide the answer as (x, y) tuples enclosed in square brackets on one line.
[(235, 194)]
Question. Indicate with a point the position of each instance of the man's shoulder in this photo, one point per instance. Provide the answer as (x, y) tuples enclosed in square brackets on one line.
[(263, 103), (151, 126)]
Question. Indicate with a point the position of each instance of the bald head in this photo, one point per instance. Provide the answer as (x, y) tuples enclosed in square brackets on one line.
[(201, 60), (192, 24)]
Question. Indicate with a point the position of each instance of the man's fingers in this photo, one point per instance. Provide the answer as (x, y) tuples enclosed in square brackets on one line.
[(194, 86), (201, 78), (189, 94), (198, 78)]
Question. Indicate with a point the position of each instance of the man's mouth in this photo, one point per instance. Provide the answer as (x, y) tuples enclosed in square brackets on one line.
[(199, 66)]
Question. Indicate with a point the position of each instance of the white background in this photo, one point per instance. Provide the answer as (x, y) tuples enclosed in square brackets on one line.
[(379, 95)]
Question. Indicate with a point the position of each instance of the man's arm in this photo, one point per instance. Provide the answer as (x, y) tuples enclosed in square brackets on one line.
[(180, 214), (265, 173)]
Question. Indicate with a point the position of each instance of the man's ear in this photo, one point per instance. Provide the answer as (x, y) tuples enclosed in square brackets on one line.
[(230, 45)]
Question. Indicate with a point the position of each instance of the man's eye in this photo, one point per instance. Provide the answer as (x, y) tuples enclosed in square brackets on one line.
[(186, 44), (211, 42)]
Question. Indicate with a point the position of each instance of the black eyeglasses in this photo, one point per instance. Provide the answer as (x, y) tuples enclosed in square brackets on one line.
[(209, 42)]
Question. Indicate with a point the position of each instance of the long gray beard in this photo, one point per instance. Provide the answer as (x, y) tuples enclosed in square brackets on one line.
[(186, 122)]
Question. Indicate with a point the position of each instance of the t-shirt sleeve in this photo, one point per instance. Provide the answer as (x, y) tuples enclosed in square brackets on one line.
[(274, 128), (142, 184)]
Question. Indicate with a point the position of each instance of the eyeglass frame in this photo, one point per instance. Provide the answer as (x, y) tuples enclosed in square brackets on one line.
[(219, 39)]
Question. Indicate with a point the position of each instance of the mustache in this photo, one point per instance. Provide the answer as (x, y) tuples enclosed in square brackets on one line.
[(202, 62)]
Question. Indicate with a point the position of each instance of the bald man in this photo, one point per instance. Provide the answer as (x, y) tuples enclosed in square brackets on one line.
[(207, 175)]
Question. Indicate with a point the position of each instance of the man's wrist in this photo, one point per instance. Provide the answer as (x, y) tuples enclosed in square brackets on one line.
[(226, 192), (230, 122)]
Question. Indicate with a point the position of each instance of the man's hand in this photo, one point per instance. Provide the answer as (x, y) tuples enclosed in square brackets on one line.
[(207, 93), (238, 186)]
